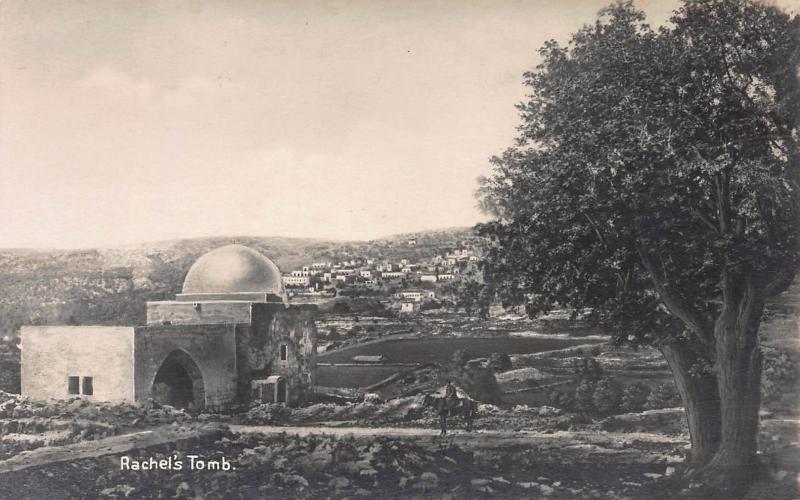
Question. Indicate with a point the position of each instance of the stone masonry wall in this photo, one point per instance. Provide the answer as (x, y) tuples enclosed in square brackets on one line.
[(51, 354), (211, 347), (258, 348), (199, 313)]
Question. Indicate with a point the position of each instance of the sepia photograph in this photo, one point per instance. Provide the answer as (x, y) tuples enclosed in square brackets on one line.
[(424, 249)]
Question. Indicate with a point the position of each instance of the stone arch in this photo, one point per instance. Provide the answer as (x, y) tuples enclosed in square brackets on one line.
[(179, 382)]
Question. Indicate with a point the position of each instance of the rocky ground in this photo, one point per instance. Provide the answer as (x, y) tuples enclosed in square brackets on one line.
[(315, 465), (27, 424), (519, 452), (284, 466)]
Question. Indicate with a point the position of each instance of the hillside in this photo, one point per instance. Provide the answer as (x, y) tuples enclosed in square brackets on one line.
[(111, 285)]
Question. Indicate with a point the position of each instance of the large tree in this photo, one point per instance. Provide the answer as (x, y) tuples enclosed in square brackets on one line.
[(654, 186)]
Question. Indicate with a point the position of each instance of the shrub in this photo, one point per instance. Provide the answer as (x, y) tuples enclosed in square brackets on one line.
[(634, 397), (476, 379), (340, 307), (780, 373), (663, 396), (480, 383), (559, 399), (584, 396), (459, 359), (607, 396), (500, 362), (587, 368), (430, 305)]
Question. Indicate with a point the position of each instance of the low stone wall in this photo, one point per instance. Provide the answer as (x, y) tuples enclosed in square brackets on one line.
[(667, 421)]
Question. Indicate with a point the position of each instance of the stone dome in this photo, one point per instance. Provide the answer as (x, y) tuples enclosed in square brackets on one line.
[(233, 269)]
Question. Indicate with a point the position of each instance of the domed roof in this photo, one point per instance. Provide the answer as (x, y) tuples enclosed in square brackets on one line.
[(233, 269)]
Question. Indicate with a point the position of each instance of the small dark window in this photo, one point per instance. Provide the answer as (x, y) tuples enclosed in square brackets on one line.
[(284, 352), (73, 385), (88, 389)]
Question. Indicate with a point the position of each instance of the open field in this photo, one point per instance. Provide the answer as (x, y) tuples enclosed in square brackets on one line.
[(440, 350), (353, 376), (423, 351)]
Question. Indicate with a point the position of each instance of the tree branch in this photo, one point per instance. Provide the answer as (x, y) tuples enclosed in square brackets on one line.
[(697, 321), (723, 203), (705, 219), (781, 282), (596, 230)]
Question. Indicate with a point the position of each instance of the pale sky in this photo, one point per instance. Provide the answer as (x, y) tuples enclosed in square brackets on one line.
[(125, 122)]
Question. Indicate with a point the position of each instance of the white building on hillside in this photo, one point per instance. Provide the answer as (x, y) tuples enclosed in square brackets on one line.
[(409, 307)]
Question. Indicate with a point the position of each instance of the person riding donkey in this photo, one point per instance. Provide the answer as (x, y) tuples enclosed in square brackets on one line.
[(450, 405), (450, 395), (447, 405)]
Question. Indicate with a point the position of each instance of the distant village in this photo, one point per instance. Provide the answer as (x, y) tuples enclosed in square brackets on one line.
[(406, 284)]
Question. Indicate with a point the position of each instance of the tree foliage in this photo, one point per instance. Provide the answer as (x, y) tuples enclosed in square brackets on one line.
[(607, 396), (473, 296), (647, 162), (634, 397)]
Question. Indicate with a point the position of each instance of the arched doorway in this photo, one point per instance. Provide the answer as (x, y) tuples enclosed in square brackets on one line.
[(179, 382), (281, 391)]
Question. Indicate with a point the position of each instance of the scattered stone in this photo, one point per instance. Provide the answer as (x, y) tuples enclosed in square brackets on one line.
[(428, 481), (779, 475), (118, 490), (368, 473), (371, 397), (549, 411), (296, 481), (182, 488), (478, 482)]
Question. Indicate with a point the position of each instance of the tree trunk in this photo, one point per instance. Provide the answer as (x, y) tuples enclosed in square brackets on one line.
[(700, 396), (738, 367)]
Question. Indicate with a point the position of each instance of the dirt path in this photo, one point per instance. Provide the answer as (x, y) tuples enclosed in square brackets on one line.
[(611, 442), (598, 443), (399, 432), (338, 431)]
